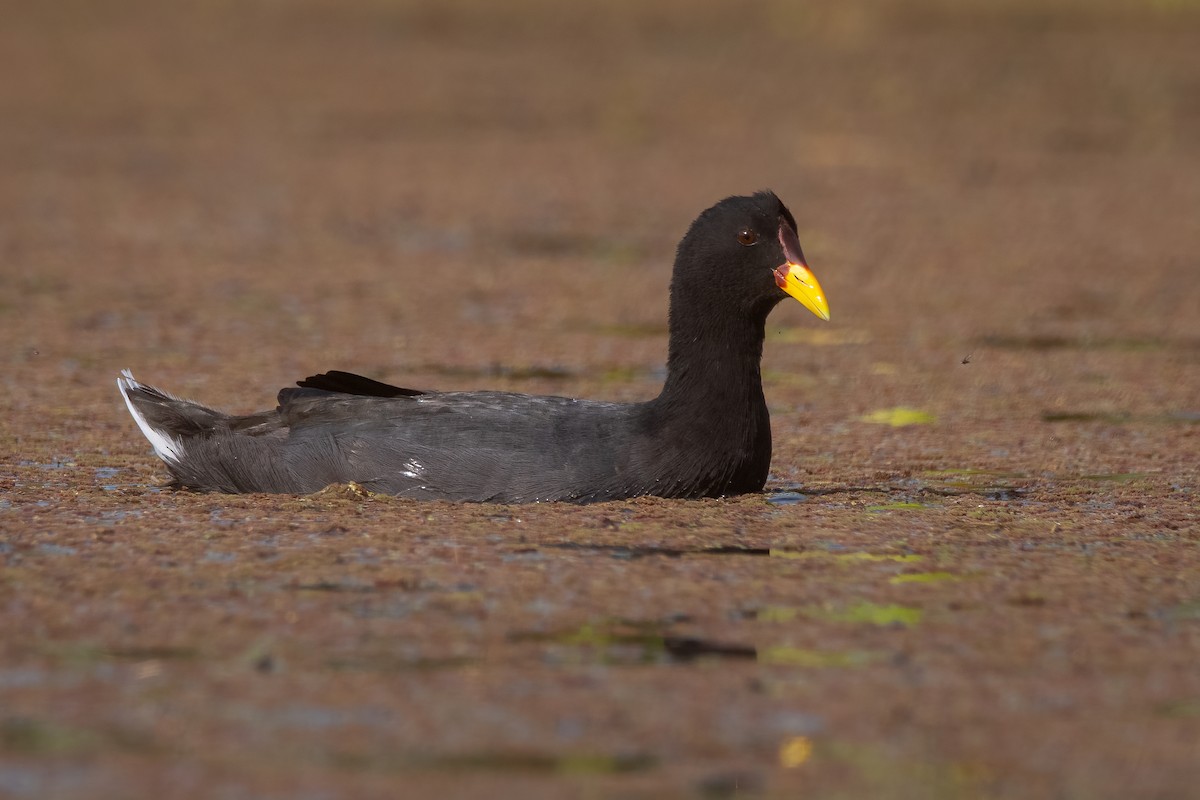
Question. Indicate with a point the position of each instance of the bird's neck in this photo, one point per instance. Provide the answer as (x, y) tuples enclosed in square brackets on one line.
[(713, 368), (710, 423)]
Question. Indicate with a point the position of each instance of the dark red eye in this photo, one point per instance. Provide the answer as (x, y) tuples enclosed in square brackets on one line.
[(747, 237)]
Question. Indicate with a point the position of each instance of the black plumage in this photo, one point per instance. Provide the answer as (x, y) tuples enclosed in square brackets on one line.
[(707, 434)]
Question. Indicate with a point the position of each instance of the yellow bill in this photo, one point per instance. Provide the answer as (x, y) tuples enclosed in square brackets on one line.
[(798, 281)]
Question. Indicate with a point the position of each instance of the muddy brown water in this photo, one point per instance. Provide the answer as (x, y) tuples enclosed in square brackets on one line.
[(975, 572)]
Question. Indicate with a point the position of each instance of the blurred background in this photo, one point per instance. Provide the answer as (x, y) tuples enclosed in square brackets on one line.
[(1001, 199), (382, 184)]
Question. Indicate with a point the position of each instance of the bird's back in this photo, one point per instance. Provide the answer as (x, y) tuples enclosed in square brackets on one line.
[(473, 446), (479, 446)]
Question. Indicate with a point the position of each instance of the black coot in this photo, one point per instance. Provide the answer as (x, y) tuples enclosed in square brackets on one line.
[(707, 434)]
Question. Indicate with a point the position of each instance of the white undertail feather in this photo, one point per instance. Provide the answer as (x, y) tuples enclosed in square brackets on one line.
[(166, 447)]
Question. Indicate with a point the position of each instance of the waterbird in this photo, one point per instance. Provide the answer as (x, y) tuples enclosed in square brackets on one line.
[(706, 434)]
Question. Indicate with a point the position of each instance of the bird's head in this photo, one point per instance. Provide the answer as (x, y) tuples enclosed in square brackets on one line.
[(745, 251)]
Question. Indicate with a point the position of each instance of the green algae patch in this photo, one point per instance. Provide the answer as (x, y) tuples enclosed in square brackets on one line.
[(788, 656), (895, 507), (1189, 610), (864, 613), (619, 642), (974, 477), (878, 772), (1115, 477), (38, 737), (899, 417), (923, 577), (846, 558), (88, 653), (1180, 709), (873, 614)]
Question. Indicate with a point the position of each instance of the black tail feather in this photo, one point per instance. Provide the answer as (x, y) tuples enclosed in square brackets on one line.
[(349, 383)]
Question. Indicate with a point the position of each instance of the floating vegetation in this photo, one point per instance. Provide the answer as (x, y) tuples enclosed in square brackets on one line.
[(895, 507), (923, 577), (37, 737), (863, 612), (880, 771), (85, 653), (899, 417), (637, 642), (624, 375), (989, 484), (33, 736), (1180, 709), (788, 656), (1189, 611), (972, 472), (801, 555), (1115, 477), (873, 614)]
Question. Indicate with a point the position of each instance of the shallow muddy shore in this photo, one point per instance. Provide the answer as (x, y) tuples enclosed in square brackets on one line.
[(975, 572)]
